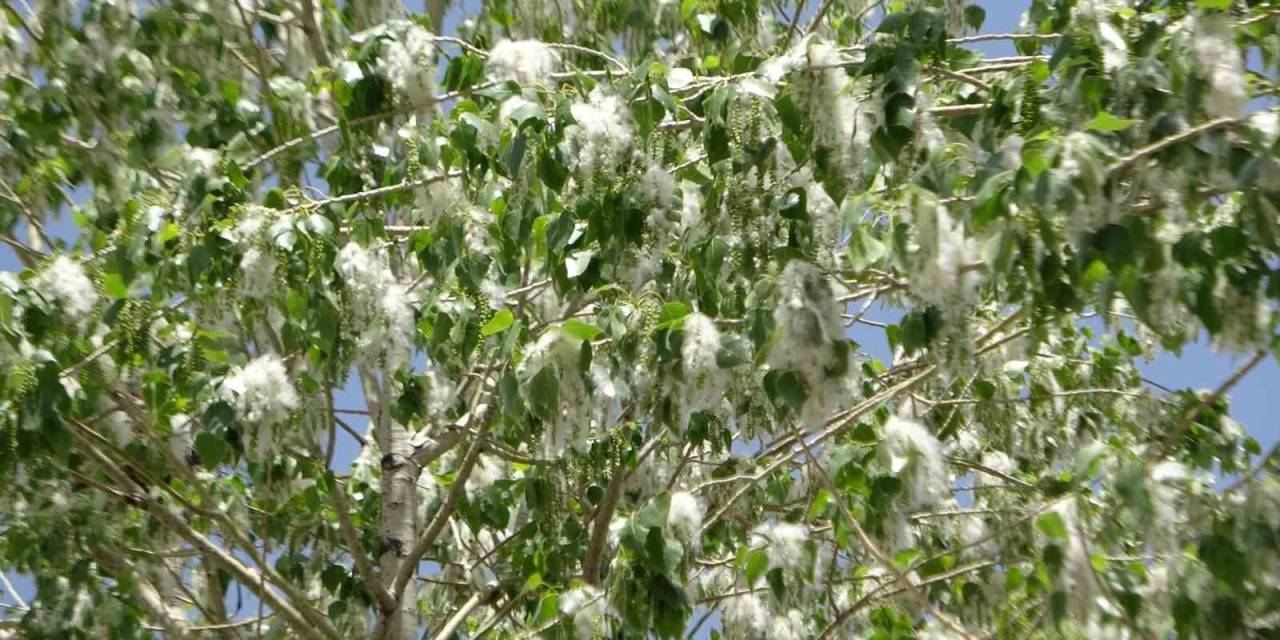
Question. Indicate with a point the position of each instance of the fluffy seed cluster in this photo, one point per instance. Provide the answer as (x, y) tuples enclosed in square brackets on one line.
[(382, 315), (746, 617), (808, 324), (704, 380), (915, 455), (262, 396), (581, 412), (788, 626), (786, 544), (487, 470), (602, 134), (841, 123), (684, 518), (407, 61), (528, 62), (258, 231), (587, 607), (1077, 574), (946, 270), (65, 282), (1221, 65)]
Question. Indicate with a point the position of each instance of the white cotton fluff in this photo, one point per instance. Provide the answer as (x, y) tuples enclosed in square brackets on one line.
[(257, 273), (808, 317), (684, 518), (916, 457), (973, 537), (486, 471), (786, 544), (808, 322), (658, 187), (528, 62), (439, 392), (789, 626), (945, 271), (1165, 487), (117, 422), (65, 282), (587, 607), (1077, 572), (1221, 65), (382, 315), (841, 123), (715, 581), (181, 436), (407, 61), (582, 412), (494, 294), (293, 99), (704, 380), (513, 107), (260, 391), (602, 134), (438, 199), (745, 617)]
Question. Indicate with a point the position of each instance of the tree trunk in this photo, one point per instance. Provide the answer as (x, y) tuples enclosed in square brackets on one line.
[(399, 510)]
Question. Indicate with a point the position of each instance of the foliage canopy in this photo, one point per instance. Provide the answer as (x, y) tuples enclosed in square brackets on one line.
[(592, 268)]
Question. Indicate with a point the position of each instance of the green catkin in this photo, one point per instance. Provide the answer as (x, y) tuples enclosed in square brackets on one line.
[(1029, 109)]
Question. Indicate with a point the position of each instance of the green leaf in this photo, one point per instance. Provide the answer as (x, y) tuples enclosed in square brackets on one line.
[(819, 504), (757, 562), (1052, 525), (114, 286), (544, 394), (498, 323), (1214, 4), (212, 449), (673, 311), (549, 608), (1106, 122), (579, 329), (1225, 561)]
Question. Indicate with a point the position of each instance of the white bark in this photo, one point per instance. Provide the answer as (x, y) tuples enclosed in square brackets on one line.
[(398, 481)]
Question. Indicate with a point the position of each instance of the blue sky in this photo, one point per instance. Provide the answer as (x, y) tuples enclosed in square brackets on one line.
[(1198, 366)]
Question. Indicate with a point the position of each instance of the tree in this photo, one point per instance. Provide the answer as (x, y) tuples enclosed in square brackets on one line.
[(591, 267)]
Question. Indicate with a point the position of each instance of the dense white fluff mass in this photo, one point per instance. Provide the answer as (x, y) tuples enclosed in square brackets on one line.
[(915, 456), (1221, 65), (587, 607), (808, 321), (704, 380), (117, 422), (582, 412), (658, 187), (786, 544), (842, 125), (486, 471), (946, 261), (790, 626), (745, 617), (257, 273), (684, 518), (65, 282), (262, 395), (602, 134), (527, 62), (1077, 573), (181, 436), (260, 391), (974, 537), (407, 61), (381, 314)]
